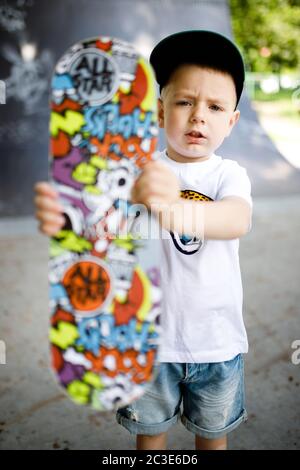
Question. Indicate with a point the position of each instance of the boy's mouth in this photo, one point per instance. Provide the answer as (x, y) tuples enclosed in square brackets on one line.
[(195, 135)]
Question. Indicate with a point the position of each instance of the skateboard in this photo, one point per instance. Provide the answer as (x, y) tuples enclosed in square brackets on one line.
[(104, 280)]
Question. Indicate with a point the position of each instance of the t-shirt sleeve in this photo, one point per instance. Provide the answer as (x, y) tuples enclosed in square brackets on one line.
[(235, 182)]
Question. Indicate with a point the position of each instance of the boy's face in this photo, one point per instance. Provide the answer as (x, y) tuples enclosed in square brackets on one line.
[(197, 101)]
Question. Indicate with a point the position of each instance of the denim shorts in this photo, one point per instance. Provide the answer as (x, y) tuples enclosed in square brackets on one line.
[(211, 395)]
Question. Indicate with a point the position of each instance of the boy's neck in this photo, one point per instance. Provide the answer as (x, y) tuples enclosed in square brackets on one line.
[(181, 159)]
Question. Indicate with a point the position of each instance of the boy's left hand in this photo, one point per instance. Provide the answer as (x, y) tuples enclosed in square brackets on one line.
[(156, 185)]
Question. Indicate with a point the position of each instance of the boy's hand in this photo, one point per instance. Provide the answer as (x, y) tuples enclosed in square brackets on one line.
[(48, 210), (156, 185)]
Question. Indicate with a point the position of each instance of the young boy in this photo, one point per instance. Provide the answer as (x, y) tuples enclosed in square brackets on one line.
[(204, 206)]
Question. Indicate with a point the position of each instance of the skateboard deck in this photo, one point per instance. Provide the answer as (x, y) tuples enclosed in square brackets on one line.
[(104, 264)]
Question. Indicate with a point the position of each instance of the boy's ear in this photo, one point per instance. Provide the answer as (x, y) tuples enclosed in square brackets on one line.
[(160, 112), (233, 120)]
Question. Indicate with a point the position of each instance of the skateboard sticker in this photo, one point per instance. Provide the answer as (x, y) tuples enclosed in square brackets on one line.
[(104, 264)]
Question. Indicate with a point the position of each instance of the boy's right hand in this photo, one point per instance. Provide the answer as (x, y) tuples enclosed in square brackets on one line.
[(49, 212)]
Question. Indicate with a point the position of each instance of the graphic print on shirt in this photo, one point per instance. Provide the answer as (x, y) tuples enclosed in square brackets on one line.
[(185, 243)]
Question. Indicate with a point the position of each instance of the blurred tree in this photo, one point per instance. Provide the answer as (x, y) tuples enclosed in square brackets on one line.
[(268, 33)]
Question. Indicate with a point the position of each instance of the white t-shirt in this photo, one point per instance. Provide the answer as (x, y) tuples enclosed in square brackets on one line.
[(202, 317)]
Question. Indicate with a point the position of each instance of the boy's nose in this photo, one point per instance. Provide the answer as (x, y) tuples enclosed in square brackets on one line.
[(198, 114)]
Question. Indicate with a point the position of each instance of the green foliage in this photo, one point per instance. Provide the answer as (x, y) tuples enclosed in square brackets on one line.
[(282, 95), (268, 33)]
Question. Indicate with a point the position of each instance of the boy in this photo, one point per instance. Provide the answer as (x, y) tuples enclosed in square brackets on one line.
[(201, 76)]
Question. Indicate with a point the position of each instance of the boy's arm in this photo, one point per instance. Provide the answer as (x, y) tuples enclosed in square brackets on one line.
[(158, 188), (225, 219)]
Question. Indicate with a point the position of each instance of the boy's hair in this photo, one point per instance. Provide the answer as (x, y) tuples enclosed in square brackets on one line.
[(213, 68), (204, 48)]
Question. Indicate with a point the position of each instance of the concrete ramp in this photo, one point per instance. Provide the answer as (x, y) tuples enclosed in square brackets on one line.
[(52, 27)]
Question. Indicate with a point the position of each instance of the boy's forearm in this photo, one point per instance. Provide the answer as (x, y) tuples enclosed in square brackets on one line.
[(226, 219)]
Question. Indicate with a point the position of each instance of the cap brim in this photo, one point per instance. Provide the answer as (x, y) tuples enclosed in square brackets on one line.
[(198, 47)]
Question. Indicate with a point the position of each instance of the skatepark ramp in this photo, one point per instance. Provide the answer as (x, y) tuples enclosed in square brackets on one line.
[(34, 34)]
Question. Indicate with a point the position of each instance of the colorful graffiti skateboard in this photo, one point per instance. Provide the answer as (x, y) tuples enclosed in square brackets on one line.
[(103, 275)]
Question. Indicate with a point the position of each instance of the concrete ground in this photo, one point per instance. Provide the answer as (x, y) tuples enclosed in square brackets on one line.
[(34, 414)]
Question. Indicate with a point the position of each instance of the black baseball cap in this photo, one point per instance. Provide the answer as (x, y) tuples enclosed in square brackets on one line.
[(201, 47)]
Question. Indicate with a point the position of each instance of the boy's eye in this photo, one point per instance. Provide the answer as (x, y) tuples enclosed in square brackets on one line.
[(183, 103), (215, 107)]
